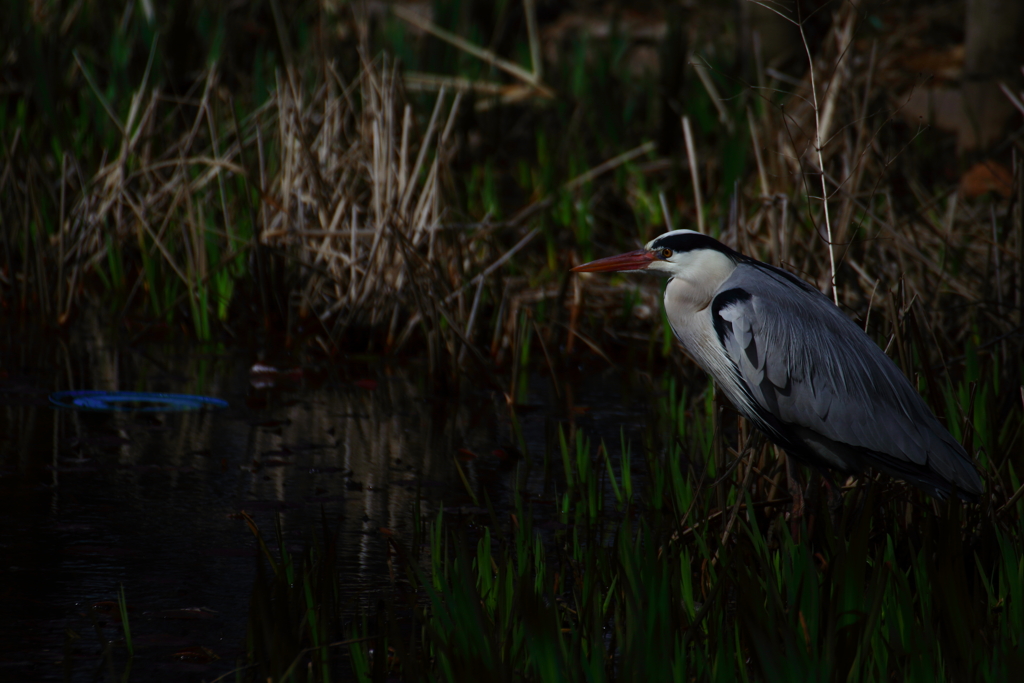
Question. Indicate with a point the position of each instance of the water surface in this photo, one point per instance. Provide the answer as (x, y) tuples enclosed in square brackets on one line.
[(90, 502)]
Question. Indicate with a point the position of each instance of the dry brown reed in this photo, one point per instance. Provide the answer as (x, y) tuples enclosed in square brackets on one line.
[(347, 188), (164, 204), (361, 204)]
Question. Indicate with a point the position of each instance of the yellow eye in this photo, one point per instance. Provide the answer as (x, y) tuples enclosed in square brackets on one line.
[(666, 253)]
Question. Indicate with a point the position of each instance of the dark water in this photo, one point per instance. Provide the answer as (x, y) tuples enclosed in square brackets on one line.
[(91, 502)]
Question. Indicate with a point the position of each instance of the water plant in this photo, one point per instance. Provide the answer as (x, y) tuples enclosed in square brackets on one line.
[(122, 606)]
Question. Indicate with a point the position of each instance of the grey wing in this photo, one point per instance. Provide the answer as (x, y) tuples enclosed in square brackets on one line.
[(821, 387)]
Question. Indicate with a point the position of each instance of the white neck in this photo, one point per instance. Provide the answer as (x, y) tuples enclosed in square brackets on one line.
[(696, 278)]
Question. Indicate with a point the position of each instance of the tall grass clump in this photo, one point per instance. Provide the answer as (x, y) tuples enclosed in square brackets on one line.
[(311, 192), (692, 577), (295, 609)]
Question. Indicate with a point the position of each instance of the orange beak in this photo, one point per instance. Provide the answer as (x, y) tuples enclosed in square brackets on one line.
[(633, 260)]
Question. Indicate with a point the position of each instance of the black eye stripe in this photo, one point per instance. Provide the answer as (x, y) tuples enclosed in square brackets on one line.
[(691, 241)]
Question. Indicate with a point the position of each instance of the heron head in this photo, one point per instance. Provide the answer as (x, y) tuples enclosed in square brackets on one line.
[(677, 254)]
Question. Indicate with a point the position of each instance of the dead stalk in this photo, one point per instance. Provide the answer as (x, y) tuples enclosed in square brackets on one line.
[(691, 156), (821, 163)]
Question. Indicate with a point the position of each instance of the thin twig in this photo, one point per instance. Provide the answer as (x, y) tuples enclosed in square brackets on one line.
[(99, 94), (821, 162), (691, 155), (701, 68), (740, 495), (480, 53), (606, 166), (665, 212), (534, 37)]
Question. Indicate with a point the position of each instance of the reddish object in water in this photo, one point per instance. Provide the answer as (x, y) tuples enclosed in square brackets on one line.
[(266, 376)]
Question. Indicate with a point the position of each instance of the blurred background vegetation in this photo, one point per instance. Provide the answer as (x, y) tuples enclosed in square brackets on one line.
[(202, 164)]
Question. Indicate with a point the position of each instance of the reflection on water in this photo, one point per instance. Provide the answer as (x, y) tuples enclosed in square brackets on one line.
[(92, 501)]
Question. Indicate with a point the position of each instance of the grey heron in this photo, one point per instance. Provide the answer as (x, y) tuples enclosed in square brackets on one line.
[(793, 364)]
